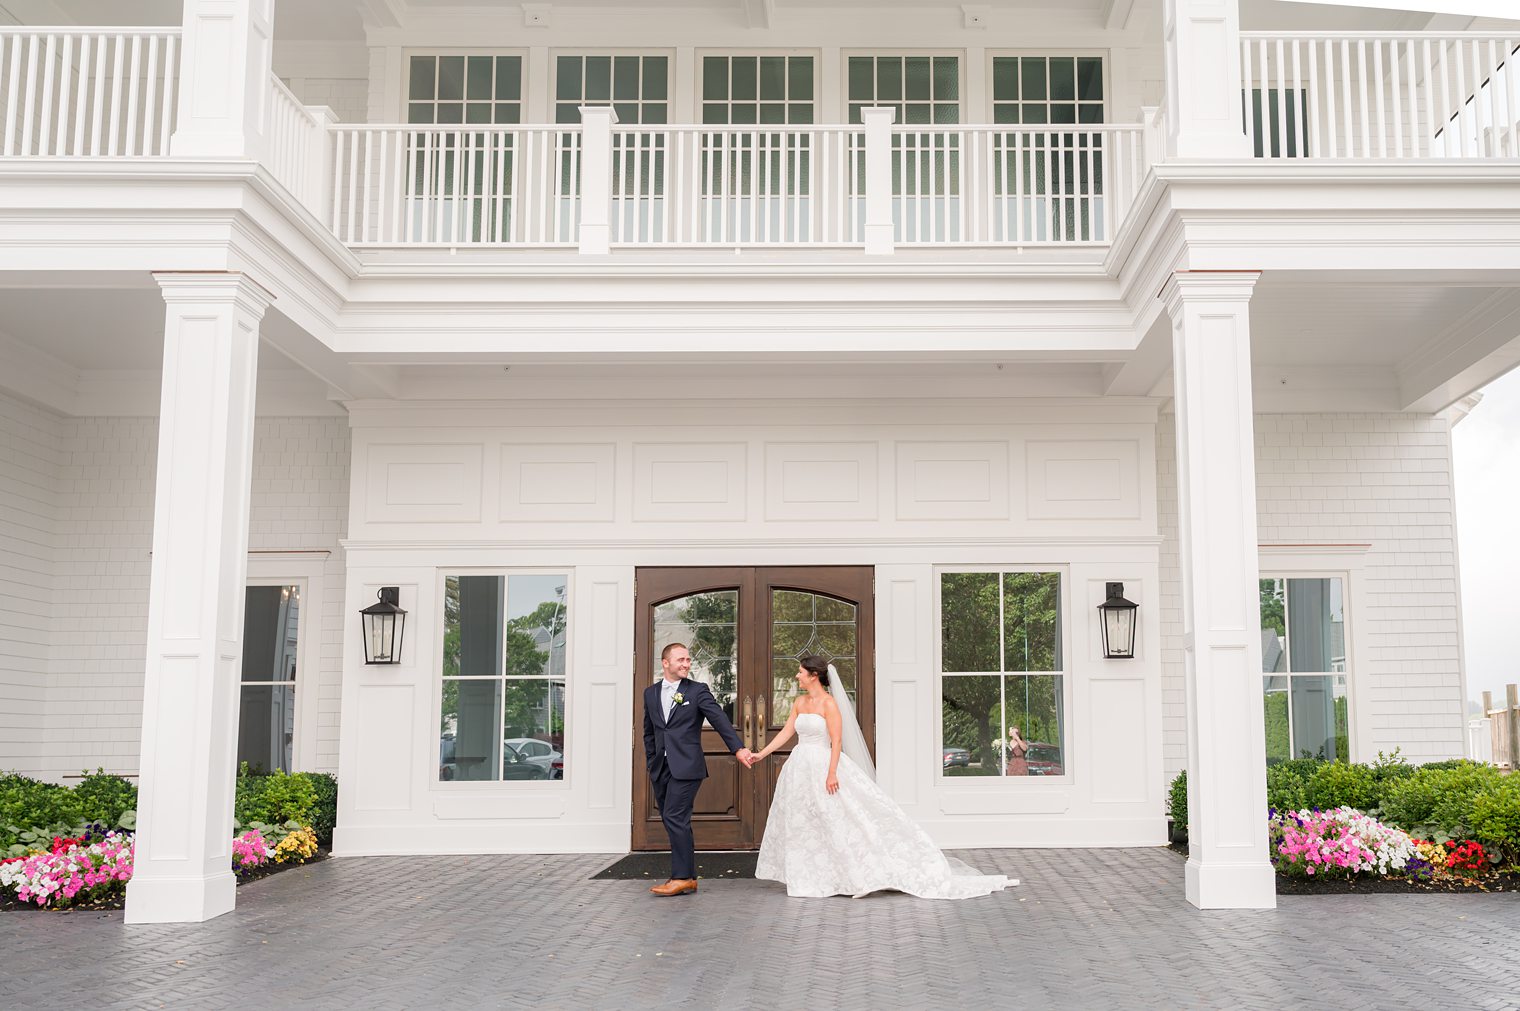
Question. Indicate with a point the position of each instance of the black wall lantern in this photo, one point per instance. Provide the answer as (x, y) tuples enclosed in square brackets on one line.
[(1118, 624), (384, 624)]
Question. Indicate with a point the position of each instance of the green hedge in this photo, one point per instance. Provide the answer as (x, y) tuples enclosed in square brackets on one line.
[(1455, 799), (30, 805)]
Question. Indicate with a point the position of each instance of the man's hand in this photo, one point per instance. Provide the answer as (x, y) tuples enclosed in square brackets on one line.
[(747, 756)]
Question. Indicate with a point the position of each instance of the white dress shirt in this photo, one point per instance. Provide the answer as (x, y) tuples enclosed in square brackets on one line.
[(668, 695)]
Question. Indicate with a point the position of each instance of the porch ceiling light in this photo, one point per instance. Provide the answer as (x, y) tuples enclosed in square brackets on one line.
[(384, 625), (1118, 624)]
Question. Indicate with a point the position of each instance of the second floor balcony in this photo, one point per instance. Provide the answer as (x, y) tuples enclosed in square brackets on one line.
[(763, 167)]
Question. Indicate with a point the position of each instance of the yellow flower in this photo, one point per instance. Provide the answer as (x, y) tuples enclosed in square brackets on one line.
[(299, 845)]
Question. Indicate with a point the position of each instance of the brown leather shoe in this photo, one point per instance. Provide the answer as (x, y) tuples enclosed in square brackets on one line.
[(676, 886)]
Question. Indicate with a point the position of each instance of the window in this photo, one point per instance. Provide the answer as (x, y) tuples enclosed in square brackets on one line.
[(1303, 662), (267, 706), (923, 89), (451, 173), (637, 87), (1035, 90), (1002, 686), (503, 686), (739, 90), (464, 89)]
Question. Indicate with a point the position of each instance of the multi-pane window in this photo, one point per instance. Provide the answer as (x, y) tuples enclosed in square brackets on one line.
[(805, 624), (1002, 700), (267, 707), (637, 87), (1303, 662), (503, 686), (464, 89), (739, 90), (923, 89), (1035, 90)]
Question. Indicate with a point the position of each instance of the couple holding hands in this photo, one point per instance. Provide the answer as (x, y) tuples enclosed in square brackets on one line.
[(831, 829)]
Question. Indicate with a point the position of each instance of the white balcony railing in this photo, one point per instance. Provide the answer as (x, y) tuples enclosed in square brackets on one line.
[(1381, 95), (671, 186), (434, 186), (296, 146), (88, 92)]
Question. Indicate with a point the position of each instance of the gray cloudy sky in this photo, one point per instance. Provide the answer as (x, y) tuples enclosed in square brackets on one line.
[(1486, 446)]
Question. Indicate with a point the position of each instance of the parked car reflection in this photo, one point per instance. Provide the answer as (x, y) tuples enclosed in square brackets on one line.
[(541, 754), (1045, 759), (957, 758)]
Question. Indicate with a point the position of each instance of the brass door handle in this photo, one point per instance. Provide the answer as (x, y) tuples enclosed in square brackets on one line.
[(749, 722), (759, 722)]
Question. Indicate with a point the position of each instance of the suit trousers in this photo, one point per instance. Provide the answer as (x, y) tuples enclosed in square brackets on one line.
[(675, 798)]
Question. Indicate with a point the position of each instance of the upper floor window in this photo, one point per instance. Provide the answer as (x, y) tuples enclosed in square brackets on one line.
[(923, 89), (464, 89), (1303, 662), (636, 86), (1002, 684), (502, 708), (739, 90), (1035, 90)]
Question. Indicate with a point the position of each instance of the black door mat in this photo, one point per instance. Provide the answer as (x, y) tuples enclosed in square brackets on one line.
[(653, 867)]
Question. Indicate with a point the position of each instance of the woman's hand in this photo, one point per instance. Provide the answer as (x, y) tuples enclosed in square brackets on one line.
[(832, 783)]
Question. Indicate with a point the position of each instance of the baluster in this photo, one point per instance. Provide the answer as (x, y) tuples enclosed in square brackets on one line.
[(368, 187), (1248, 89), (132, 124), (65, 83), (1297, 98), (1382, 115), (1394, 80), (1412, 99), (45, 123), (1456, 114), (1280, 80), (28, 114), (1314, 137), (116, 74), (171, 87)]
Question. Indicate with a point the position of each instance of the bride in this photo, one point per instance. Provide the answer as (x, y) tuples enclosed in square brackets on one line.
[(832, 830)]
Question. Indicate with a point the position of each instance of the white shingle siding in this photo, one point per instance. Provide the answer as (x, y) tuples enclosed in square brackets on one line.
[(347, 97), (101, 503), (1378, 479), (28, 539)]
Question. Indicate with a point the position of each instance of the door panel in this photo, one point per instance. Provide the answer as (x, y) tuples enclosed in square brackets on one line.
[(745, 629)]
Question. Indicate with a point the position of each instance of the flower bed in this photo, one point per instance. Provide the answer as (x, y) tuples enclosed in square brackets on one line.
[(77, 847), (1389, 826)]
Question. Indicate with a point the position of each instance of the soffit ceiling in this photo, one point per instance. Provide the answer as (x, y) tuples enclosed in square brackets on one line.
[(342, 21)]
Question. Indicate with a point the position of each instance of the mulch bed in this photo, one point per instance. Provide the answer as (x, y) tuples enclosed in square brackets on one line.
[(1505, 882), (10, 903)]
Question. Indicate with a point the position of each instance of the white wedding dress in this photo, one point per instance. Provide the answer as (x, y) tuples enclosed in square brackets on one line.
[(855, 841)]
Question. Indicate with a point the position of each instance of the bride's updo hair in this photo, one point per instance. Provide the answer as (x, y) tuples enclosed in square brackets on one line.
[(816, 665)]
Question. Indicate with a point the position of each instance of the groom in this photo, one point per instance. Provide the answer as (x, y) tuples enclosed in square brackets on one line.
[(674, 708)]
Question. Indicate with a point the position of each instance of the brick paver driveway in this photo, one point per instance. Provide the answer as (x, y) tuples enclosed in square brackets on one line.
[(1087, 929)]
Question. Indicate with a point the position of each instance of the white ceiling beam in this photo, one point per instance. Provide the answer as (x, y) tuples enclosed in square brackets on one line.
[(1116, 14), (760, 13), (1472, 8), (382, 13)]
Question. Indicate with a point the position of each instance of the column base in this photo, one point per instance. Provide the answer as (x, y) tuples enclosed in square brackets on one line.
[(595, 240), (180, 900), (1215, 885), (880, 239)]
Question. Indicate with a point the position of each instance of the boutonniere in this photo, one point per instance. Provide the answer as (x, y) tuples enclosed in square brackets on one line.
[(678, 699)]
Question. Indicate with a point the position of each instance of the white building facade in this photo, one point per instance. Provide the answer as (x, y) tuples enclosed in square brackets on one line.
[(892, 332)]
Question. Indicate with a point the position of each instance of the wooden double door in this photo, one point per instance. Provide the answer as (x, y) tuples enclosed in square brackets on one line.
[(746, 629)]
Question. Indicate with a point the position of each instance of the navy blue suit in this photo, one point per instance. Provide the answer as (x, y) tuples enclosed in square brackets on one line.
[(673, 754)]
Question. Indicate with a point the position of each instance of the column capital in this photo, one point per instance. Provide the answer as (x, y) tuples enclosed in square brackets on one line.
[(598, 112), (1186, 286), (214, 286)]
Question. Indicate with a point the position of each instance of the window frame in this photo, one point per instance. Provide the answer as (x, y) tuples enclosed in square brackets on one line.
[(698, 100), (1347, 563), (843, 101), (305, 570), (988, 783), (436, 680), (403, 114), (552, 100), (1105, 55)]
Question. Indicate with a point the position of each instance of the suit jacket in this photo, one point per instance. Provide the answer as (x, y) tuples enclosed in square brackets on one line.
[(678, 744)]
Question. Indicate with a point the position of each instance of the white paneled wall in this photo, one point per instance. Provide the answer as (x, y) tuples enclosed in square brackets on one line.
[(94, 478), (1382, 480), (29, 454)]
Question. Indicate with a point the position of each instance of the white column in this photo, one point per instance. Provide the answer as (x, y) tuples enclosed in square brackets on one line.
[(183, 863), (880, 233), (596, 178), (1203, 104), (224, 90), (1227, 864)]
